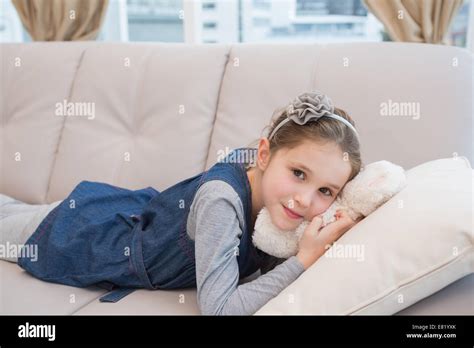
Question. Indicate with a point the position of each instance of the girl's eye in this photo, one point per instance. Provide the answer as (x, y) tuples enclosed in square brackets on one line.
[(328, 190), (297, 173)]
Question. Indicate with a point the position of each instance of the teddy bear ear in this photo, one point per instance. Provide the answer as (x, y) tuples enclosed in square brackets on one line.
[(377, 180)]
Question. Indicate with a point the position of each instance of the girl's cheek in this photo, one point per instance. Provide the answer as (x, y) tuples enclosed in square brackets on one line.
[(321, 208), (279, 188), (283, 185)]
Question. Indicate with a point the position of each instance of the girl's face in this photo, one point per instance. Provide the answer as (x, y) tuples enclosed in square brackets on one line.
[(305, 180)]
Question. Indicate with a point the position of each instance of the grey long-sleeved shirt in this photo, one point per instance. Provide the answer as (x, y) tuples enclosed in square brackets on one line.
[(215, 222)]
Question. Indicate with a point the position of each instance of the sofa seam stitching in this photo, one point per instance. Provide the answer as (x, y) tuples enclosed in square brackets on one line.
[(64, 123), (224, 71), (88, 303), (460, 257)]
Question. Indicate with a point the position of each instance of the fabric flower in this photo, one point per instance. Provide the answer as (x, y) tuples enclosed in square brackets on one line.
[(309, 105)]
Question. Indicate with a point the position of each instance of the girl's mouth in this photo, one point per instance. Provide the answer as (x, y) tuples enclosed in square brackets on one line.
[(291, 214)]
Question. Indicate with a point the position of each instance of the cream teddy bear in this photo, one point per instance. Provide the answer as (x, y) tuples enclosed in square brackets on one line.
[(374, 185)]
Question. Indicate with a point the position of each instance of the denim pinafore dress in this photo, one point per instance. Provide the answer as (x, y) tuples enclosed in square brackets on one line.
[(121, 239)]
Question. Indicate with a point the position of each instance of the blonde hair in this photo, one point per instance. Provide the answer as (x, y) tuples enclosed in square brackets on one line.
[(321, 131)]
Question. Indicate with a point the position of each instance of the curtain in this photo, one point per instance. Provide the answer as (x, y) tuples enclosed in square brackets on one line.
[(415, 20), (61, 20)]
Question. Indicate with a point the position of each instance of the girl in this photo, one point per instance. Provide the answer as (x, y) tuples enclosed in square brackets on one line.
[(199, 231)]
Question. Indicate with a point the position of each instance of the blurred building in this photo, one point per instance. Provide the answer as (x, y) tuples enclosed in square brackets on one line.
[(229, 21), (155, 20)]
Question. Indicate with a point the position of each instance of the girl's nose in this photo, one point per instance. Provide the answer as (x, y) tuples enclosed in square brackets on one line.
[(303, 199)]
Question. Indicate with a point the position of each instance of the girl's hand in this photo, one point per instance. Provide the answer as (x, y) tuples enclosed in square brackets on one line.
[(315, 241)]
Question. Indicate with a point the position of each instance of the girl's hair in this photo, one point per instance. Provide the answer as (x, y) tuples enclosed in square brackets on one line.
[(323, 130)]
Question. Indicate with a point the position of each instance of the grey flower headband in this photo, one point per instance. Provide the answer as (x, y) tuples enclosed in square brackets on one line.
[(309, 106)]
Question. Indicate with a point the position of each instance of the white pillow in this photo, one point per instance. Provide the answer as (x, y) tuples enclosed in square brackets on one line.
[(412, 246)]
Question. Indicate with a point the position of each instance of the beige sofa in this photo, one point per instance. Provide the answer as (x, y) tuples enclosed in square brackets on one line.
[(162, 113)]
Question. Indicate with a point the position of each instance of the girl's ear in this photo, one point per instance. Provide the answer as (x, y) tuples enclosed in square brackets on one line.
[(263, 156)]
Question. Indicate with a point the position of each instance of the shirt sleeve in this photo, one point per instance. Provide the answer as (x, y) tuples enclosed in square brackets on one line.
[(215, 226)]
